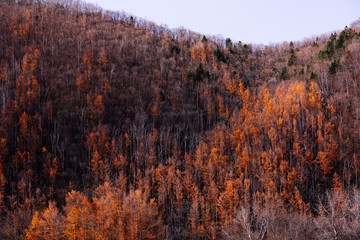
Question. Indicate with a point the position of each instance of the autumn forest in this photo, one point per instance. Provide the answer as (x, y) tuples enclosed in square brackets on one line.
[(113, 127)]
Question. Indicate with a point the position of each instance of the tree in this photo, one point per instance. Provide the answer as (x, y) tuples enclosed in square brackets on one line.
[(45, 225), (107, 212), (343, 36), (292, 57), (139, 218), (251, 225), (329, 51), (78, 220), (283, 74), (27, 87), (337, 217), (195, 225), (219, 55), (3, 153), (333, 66)]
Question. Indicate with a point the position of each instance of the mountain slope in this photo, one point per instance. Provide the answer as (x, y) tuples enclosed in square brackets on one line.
[(201, 137)]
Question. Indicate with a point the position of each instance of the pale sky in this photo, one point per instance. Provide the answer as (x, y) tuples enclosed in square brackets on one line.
[(251, 21)]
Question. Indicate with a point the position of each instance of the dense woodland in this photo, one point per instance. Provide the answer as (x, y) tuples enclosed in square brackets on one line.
[(112, 127)]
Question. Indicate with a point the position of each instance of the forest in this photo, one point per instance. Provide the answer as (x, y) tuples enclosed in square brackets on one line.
[(113, 127)]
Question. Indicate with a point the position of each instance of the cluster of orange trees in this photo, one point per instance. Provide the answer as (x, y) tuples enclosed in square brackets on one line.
[(112, 127)]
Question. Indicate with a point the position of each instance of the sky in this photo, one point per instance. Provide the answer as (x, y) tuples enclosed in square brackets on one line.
[(251, 21)]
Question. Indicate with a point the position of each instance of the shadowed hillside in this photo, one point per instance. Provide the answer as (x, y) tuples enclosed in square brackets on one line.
[(112, 127)]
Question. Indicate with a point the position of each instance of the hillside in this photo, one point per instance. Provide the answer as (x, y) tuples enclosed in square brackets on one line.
[(112, 127)]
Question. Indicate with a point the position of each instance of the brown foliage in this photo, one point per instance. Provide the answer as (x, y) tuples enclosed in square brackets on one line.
[(166, 136)]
